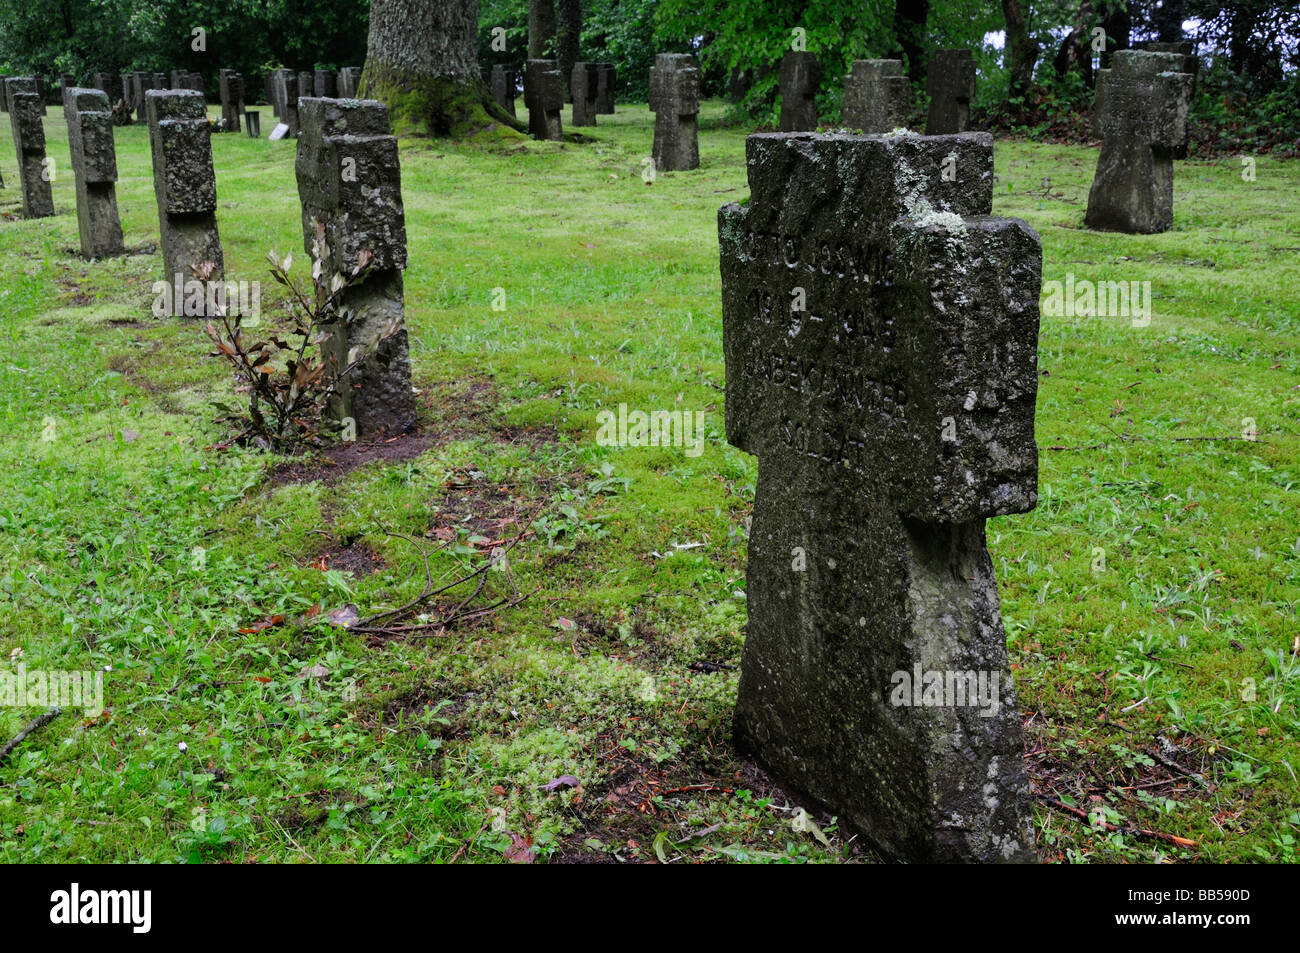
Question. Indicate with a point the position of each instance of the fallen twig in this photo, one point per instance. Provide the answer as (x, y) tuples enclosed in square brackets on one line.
[(40, 721), (387, 623), (1107, 826)]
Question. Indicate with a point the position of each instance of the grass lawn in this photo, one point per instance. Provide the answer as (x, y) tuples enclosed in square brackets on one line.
[(1150, 600)]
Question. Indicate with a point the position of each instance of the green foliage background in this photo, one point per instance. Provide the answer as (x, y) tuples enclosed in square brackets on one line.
[(83, 37), (1250, 46)]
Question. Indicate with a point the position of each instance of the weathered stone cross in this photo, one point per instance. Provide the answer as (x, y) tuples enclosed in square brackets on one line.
[(675, 101), (185, 186), (544, 97), (35, 171), (1141, 114), (799, 80), (880, 331), (94, 163), (350, 184), (950, 81)]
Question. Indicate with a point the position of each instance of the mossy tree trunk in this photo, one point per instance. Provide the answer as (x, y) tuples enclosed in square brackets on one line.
[(422, 60)]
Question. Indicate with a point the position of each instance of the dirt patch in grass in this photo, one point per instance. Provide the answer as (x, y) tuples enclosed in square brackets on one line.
[(436, 709), (477, 507), (332, 464), (126, 366), (358, 558), (462, 408), (72, 295), (468, 408), (627, 808)]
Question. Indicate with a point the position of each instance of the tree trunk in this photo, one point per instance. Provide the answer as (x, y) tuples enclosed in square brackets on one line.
[(1118, 24), (1076, 48), (541, 27), (909, 33), (422, 60), (1022, 51), (568, 32)]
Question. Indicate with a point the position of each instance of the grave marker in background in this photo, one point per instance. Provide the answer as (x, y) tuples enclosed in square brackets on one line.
[(675, 100), (503, 88), (325, 83), (350, 82), (1140, 113), (876, 96), (583, 86), (231, 88), (800, 77), (544, 97), (94, 164), (950, 81), (605, 79)]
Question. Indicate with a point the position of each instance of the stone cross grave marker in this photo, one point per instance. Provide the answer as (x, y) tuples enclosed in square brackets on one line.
[(880, 331), (34, 170), (503, 88), (350, 82), (106, 84), (876, 96), (544, 97), (950, 81), (350, 184), (1141, 115), (231, 87), (675, 101), (800, 78), (583, 85), (131, 95), (605, 79), (180, 138), (325, 83), (286, 95), (94, 164)]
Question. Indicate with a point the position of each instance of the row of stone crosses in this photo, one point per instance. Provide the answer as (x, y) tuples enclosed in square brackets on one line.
[(880, 332)]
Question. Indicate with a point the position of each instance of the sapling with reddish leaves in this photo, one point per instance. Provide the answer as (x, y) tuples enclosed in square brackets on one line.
[(286, 372)]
